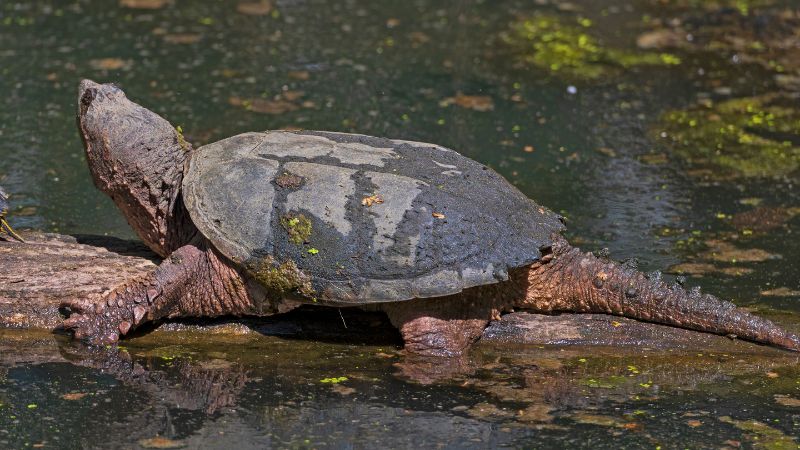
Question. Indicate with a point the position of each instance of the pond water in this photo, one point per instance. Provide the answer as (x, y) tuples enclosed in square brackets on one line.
[(665, 130)]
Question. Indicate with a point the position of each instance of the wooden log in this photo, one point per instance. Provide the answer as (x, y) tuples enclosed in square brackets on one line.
[(36, 276)]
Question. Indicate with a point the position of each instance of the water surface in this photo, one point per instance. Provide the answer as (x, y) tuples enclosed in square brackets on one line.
[(587, 147)]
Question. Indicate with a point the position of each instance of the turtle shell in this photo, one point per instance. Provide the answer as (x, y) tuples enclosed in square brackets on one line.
[(363, 219)]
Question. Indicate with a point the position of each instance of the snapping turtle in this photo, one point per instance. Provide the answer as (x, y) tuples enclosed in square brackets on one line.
[(260, 223), (5, 228)]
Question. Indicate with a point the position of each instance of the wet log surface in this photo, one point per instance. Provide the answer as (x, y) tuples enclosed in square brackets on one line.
[(36, 276)]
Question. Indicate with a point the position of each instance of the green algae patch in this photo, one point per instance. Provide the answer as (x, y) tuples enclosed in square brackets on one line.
[(569, 50), (298, 226), (282, 279), (747, 137)]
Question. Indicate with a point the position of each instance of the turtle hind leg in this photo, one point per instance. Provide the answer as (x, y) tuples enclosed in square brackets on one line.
[(441, 326), (192, 282)]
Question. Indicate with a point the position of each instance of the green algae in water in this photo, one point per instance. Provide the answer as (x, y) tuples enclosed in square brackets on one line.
[(568, 50), (747, 137)]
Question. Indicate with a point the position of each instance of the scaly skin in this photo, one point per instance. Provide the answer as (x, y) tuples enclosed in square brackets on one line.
[(573, 281), (194, 281), (137, 158)]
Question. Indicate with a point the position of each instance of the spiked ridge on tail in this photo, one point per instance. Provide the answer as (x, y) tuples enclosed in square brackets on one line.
[(568, 280)]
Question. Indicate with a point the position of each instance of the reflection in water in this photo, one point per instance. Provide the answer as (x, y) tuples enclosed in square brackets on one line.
[(207, 386), (259, 391)]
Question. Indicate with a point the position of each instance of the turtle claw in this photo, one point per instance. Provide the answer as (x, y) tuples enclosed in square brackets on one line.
[(93, 323)]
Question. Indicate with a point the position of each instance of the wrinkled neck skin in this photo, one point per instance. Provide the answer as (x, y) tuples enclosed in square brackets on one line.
[(137, 158)]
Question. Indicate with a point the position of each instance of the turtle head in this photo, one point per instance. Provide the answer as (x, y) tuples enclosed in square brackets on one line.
[(136, 157)]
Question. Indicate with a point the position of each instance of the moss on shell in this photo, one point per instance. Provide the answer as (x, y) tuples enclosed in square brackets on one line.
[(298, 226), (282, 279), (181, 140), (747, 137), (550, 43)]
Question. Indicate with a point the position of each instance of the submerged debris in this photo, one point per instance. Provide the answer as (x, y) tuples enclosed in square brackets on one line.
[(781, 292), (752, 31), (480, 103), (286, 101), (143, 4), (763, 218), (764, 436), (161, 442), (259, 8), (110, 64), (726, 252)]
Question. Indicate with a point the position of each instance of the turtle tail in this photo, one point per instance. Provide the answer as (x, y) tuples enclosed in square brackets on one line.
[(568, 280)]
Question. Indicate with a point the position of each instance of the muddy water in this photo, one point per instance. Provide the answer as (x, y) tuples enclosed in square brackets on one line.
[(665, 131)]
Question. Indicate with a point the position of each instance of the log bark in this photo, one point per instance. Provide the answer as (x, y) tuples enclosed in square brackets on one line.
[(36, 276)]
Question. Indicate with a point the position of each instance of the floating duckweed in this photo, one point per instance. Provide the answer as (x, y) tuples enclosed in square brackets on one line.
[(298, 226), (748, 137), (334, 380), (547, 42), (282, 279)]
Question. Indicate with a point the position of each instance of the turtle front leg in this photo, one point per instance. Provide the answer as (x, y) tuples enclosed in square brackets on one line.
[(194, 281)]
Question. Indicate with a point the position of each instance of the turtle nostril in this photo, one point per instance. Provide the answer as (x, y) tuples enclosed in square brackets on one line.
[(86, 99)]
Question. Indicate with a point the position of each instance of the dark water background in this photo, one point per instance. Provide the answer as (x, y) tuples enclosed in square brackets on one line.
[(417, 70)]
